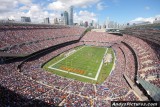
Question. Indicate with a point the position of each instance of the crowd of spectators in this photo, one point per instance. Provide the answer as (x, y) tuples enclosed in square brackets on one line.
[(29, 39), (148, 58), (129, 62), (100, 39), (155, 82), (74, 100), (53, 97), (36, 84), (150, 33), (22, 87), (85, 90), (129, 97)]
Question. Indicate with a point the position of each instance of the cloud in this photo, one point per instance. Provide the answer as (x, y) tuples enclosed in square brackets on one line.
[(57, 6), (34, 11), (147, 8), (84, 16), (101, 6), (62, 5), (7, 5), (12, 5), (142, 19), (24, 8), (25, 1), (37, 12)]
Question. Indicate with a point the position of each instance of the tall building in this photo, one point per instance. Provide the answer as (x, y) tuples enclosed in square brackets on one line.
[(81, 23), (71, 15), (56, 21), (25, 19), (64, 18), (104, 25), (61, 21), (65, 15), (107, 22), (86, 24), (115, 24), (111, 24), (92, 22), (157, 20), (46, 20)]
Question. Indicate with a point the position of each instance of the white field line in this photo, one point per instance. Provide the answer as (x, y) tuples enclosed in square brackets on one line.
[(76, 73), (100, 66), (113, 67), (63, 58), (73, 73)]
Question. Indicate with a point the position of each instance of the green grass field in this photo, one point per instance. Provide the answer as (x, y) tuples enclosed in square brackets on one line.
[(83, 64)]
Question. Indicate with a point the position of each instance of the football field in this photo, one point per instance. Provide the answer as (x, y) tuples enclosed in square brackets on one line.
[(83, 63)]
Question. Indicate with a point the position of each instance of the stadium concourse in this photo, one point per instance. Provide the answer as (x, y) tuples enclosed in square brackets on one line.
[(24, 48)]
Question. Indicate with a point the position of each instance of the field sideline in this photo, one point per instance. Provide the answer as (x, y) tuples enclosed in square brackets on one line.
[(83, 64)]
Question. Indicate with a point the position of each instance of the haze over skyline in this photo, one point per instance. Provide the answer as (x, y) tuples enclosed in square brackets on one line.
[(121, 11)]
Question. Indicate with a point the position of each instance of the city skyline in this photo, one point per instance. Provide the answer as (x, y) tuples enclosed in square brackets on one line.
[(120, 11)]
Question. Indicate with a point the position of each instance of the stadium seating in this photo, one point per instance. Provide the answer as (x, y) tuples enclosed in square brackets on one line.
[(27, 40), (100, 39), (129, 62), (25, 83), (147, 58)]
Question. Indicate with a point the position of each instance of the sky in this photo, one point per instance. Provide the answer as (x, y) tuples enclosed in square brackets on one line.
[(121, 11)]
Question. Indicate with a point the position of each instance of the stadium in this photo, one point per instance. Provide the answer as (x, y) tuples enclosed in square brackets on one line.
[(54, 65)]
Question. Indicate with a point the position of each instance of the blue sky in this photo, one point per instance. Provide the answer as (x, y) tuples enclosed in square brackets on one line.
[(121, 11)]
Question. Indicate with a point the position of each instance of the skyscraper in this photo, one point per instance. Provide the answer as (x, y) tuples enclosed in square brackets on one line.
[(65, 18), (92, 22), (86, 24), (107, 22), (46, 20), (55, 21), (61, 21), (71, 15)]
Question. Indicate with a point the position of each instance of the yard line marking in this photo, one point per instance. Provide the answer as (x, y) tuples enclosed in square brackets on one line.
[(64, 58), (98, 72), (100, 66), (113, 67), (73, 73)]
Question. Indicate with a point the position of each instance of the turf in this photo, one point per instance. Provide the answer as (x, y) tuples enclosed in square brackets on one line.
[(86, 59)]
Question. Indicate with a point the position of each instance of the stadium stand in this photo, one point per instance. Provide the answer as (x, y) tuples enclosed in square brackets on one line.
[(29, 39), (100, 39), (23, 83)]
